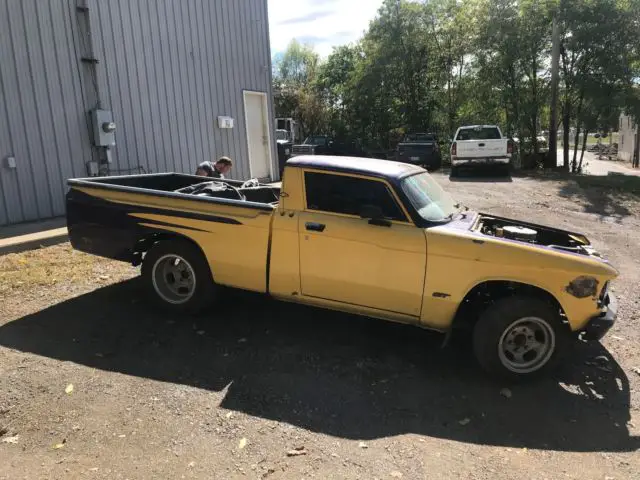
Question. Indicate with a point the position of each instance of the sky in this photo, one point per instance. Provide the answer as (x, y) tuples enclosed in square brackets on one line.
[(321, 23)]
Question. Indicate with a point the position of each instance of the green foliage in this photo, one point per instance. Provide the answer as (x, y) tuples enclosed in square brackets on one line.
[(437, 64)]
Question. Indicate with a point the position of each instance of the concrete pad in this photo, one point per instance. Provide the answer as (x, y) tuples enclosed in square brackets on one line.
[(32, 241)]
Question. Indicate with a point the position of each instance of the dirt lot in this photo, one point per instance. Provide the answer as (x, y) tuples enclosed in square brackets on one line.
[(267, 390)]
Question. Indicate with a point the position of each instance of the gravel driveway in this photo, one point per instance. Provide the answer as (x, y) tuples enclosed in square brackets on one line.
[(94, 384)]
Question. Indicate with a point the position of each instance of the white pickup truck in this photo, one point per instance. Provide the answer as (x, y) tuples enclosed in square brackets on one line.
[(480, 145)]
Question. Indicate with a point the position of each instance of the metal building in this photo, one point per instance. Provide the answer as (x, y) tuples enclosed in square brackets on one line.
[(182, 80)]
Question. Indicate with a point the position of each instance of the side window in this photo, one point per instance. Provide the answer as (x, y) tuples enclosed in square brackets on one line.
[(347, 195)]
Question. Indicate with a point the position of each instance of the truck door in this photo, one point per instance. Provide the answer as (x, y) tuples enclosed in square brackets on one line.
[(345, 258)]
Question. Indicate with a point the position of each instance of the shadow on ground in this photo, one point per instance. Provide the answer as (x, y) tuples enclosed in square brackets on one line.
[(484, 175), (331, 373), (603, 195)]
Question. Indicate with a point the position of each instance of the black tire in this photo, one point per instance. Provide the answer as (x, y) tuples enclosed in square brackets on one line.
[(504, 327), (434, 166), (190, 300), (455, 172)]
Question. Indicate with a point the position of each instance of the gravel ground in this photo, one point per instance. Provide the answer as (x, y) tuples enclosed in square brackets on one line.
[(94, 384)]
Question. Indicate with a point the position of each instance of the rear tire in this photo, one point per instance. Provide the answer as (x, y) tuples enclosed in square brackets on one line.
[(177, 277), (519, 338), (455, 172)]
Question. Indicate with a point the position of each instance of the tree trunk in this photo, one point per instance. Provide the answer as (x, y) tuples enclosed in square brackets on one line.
[(574, 164), (584, 146), (534, 102), (566, 119)]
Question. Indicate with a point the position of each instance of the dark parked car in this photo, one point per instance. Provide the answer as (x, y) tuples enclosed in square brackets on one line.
[(420, 149), (314, 145), (326, 145), (284, 146)]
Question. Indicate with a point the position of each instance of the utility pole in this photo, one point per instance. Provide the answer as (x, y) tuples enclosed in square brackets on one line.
[(552, 158)]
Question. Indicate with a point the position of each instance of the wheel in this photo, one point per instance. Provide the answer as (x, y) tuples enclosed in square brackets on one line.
[(519, 337), (433, 166), (455, 172), (176, 276)]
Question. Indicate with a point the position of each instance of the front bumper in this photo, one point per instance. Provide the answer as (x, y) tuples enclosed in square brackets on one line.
[(472, 162), (600, 324)]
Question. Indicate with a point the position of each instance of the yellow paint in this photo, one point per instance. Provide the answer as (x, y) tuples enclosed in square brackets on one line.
[(237, 254), (384, 272), (354, 262), (456, 264)]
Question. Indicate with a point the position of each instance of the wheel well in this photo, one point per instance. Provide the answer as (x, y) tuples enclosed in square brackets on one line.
[(144, 244), (487, 293)]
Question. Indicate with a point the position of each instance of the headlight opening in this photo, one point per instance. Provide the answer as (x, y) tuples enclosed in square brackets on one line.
[(583, 287)]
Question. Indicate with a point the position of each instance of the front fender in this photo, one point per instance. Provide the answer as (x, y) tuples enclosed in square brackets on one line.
[(457, 263)]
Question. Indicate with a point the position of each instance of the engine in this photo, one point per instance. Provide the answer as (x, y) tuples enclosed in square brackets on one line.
[(512, 232), (539, 235), (524, 234)]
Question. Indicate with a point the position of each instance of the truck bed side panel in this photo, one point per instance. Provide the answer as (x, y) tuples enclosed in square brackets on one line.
[(233, 238)]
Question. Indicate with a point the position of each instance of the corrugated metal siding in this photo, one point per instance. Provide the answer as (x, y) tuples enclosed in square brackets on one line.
[(41, 120), (171, 68), (168, 69)]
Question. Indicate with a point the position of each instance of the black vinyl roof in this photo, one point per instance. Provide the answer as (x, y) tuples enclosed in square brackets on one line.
[(356, 165)]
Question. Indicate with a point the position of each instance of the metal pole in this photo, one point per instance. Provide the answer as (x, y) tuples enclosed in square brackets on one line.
[(552, 160)]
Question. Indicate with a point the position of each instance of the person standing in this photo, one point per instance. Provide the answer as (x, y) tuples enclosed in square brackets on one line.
[(215, 170)]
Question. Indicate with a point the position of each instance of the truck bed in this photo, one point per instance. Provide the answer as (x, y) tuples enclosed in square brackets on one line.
[(120, 217)]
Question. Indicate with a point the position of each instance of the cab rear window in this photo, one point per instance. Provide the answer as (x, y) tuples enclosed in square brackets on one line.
[(479, 133)]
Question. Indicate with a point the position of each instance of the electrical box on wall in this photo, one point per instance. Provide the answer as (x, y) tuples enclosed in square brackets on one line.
[(225, 122), (103, 128)]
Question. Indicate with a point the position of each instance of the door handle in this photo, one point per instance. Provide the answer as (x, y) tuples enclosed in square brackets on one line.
[(315, 227), (481, 144)]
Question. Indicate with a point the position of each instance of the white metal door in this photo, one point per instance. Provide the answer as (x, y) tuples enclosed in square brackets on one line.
[(255, 106)]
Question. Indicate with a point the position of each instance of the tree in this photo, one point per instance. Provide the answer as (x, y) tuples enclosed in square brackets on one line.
[(336, 84), (599, 44), (400, 52), (295, 94), (437, 64), (454, 28)]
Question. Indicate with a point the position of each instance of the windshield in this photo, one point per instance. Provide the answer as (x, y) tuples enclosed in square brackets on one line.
[(479, 133), (428, 198), (316, 140), (420, 137)]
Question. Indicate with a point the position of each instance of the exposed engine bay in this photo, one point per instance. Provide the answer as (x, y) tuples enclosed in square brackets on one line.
[(534, 234)]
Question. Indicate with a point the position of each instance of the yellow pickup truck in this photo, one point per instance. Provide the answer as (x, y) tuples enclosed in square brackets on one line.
[(371, 237)]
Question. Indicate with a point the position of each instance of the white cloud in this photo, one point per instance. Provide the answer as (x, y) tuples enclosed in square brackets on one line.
[(321, 23)]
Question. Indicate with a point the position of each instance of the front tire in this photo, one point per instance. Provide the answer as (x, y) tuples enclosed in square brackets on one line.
[(519, 338), (176, 276)]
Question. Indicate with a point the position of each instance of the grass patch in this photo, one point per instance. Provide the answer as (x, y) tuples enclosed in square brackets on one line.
[(56, 265)]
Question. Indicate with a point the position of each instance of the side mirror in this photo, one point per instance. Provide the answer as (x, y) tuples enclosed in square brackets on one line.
[(375, 215)]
